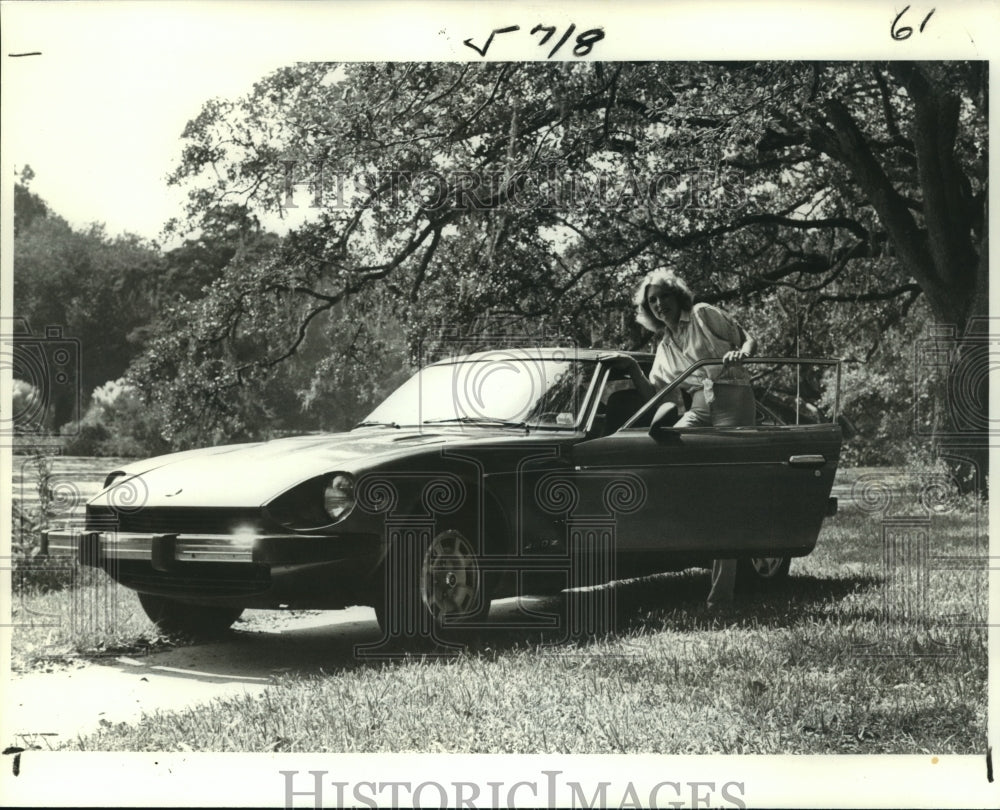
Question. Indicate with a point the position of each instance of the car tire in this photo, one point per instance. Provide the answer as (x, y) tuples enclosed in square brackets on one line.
[(755, 573), (431, 587), (182, 618)]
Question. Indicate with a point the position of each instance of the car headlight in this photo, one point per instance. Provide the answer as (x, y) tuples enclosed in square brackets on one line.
[(338, 496)]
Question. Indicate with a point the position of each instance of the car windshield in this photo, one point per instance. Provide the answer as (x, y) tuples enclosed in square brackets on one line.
[(501, 389)]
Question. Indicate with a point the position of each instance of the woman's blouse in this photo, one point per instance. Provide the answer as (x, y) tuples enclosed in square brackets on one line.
[(703, 332)]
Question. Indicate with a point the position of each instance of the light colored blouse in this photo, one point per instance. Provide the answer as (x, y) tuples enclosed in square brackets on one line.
[(703, 332)]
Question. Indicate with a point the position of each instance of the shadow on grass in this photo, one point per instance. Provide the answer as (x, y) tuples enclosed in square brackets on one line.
[(579, 619), (566, 624), (674, 602)]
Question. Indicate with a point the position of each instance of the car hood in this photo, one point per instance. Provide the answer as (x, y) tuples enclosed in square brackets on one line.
[(243, 475)]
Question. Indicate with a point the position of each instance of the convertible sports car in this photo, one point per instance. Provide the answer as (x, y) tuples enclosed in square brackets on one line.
[(502, 472)]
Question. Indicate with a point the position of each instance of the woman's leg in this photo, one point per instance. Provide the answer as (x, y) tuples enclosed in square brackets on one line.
[(699, 414), (734, 405), (723, 583)]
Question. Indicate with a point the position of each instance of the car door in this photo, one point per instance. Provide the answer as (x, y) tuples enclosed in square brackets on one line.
[(720, 491)]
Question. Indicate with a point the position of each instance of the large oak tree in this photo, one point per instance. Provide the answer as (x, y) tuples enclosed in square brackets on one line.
[(832, 205)]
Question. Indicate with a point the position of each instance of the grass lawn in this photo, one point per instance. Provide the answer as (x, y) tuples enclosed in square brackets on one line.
[(91, 617), (837, 661)]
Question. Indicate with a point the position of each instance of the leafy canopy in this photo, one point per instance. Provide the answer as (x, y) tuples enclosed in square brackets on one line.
[(834, 208)]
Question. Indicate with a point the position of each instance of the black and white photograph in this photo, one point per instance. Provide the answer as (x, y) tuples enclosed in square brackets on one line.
[(488, 405)]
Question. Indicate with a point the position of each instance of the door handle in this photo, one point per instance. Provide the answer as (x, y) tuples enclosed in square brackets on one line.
[(807, 461)]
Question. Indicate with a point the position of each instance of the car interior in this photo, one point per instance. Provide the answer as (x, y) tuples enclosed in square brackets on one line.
[(620, 400)]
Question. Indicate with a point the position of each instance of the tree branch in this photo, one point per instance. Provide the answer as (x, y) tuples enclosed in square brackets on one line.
[(878, 295), (424, 261), (842, 139)]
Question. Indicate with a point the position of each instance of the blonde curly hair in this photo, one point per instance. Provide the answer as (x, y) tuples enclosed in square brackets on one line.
[(672, 283)]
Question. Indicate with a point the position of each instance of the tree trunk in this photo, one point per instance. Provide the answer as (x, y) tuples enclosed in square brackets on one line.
[(940, 254), (964, 443)]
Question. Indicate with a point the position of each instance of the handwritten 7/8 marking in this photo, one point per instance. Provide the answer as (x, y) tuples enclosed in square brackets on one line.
[(585, 40)]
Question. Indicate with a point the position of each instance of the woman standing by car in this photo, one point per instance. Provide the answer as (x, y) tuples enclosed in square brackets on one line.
[(721, 395)]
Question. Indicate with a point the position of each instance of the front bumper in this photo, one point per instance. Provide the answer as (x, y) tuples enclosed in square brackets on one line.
[(162, 551), (248, 569)]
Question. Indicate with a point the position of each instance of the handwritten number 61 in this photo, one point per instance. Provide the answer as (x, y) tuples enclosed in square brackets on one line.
[(906, 31)]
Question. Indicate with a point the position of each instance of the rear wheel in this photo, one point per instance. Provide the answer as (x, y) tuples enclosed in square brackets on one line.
[(199, 621), (762, 572)]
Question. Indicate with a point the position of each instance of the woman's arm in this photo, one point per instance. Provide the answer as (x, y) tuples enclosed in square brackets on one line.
[(722, 328), (628, 364), (748, 349)]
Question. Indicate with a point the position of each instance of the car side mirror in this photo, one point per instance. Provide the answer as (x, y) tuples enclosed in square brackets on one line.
[(666, 416)]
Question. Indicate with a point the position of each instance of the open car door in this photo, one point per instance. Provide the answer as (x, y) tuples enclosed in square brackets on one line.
[(755, 490)]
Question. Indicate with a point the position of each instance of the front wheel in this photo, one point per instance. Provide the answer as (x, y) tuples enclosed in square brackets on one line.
[(199, 621), (762, 572), (433, 587)]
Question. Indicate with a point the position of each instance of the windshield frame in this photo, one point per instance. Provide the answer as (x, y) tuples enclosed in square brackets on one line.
[(581, 416)]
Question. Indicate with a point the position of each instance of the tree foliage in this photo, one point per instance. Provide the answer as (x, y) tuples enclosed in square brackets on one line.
[(834, 206), (97, 291)]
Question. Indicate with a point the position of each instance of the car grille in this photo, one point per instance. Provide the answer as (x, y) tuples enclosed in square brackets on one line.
[(173, 520)]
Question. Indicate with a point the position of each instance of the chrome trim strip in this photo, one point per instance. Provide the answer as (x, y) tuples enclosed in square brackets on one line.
[(139, 546)]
